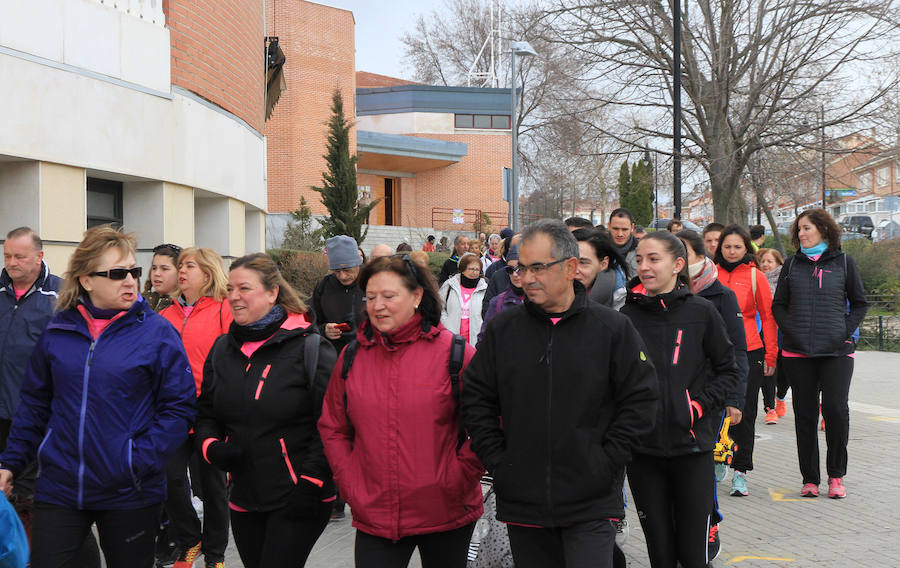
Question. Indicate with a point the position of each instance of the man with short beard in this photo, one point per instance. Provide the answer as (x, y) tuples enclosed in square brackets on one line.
[(621, 229)]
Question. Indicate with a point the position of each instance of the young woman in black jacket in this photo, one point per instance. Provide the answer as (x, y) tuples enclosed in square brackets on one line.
[(672, 469), (819, 302), (257, 417)]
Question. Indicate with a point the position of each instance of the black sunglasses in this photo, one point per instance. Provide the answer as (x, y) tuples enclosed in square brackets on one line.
[(120, 273)]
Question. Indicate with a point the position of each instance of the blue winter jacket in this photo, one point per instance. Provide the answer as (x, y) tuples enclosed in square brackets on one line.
[(21, 324), (103, 416)]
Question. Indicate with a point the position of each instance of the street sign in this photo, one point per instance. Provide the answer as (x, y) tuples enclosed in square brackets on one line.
[(843, 192)]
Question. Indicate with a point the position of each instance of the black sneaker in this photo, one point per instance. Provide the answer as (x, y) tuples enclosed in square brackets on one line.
[(712, 544)]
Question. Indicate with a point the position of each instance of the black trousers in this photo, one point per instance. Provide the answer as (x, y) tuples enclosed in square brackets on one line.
[(583, 545), (744, 434), (673, 502), (781, 379), (438, 550), (210, 486), (274, 540), (127, 537), (832, 376)]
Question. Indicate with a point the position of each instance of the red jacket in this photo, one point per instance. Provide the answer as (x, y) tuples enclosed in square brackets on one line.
[(396, 461), (209, 319), (739, 282)]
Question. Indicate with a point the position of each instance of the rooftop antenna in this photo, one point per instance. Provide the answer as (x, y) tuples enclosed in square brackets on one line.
[(489, 78)]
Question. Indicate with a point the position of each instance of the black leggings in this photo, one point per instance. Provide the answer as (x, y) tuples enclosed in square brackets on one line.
[(744, 433), (831, 376), (582, 545), (210, 487), (273, 540), (782, 384), (673, 500), (438, 550), (127, 537)]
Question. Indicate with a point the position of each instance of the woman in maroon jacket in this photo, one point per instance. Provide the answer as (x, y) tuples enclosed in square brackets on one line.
[(390, 427)]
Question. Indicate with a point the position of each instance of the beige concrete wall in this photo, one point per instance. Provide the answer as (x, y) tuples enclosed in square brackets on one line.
[(178, 213), (236, 234), (255, 231), (63, 202)]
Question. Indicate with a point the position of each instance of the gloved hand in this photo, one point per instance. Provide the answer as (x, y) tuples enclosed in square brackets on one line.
[(224, 455), (304, 501)]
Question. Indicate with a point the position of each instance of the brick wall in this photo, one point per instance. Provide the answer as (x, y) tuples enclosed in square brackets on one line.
[(218, 53), (318, 42)]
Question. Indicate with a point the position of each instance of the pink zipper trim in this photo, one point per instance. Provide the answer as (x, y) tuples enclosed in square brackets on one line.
[(677, 348), (258, 389), (287, 460), (687, 396)]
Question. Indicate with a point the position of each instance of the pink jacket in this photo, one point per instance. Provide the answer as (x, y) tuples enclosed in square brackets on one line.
[(396, 460)]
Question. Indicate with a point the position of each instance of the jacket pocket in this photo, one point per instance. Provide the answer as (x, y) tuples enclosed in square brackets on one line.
[(129, 463), (41, 450), (287, 460)]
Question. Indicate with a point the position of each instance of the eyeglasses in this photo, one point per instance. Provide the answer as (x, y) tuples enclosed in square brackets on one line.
[(537, 267), (120, 273)]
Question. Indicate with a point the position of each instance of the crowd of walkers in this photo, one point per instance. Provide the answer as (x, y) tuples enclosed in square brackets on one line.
[(560, 362)]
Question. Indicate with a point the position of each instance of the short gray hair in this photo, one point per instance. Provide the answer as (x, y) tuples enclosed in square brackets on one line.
[(493, 237), (564, 243), (458, 238)]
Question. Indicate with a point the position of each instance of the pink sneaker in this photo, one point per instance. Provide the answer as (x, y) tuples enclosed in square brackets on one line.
[(809, 490), (836, 488)]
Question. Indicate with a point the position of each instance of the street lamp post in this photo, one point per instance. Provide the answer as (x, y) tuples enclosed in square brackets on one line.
[(522, 49), (655, 191)]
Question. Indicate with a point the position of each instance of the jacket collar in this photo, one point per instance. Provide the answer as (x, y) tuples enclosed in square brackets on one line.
[(410, 332), (72, 320), (6, 282), (578, 305), (637, 295)]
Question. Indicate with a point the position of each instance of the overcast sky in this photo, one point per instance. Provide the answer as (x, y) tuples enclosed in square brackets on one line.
[(379, 26)]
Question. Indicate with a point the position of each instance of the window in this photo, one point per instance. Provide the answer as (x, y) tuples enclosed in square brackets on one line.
[(882, 176), (482, 121), (897, 173), (104, 202), (870, 206), (865, 182)]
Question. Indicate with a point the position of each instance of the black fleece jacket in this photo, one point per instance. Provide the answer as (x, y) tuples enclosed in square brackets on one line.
[(819, 304), (694, 361), (335, 303), (725, 301), (268, 407), (554, 410)]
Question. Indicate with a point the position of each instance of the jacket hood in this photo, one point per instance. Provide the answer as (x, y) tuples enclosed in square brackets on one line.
[(637, 295), (410, 332), (578, 305)]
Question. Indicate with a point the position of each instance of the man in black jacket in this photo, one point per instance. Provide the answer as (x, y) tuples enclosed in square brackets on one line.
[(555, 419), (451, 265)]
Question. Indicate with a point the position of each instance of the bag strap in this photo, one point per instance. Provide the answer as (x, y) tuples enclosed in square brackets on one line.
[(311, 356), (349, 355), (753, 285), (457, 355)]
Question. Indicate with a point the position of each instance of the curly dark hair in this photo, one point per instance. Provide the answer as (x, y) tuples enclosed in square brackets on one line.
[(414, 276), (825, 223)]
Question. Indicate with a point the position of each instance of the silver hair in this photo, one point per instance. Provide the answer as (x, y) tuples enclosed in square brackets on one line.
[(564, 243), (494, 236)]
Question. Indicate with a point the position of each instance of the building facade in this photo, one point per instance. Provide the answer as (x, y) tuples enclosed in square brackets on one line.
[(145, 114)]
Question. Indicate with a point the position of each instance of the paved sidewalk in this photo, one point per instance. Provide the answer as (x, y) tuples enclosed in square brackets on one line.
[(773, 526)]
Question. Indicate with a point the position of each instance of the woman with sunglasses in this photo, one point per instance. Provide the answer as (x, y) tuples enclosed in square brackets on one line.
[(391, 429), (201, 314), (107, 398), (160, 288), (462, 295)]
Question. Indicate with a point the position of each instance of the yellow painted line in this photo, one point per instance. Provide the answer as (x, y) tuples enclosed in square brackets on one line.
[(779, 495), (885, 418), (737, 559)]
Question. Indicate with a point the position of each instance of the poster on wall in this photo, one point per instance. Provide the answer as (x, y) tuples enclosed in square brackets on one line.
[(459, 217)]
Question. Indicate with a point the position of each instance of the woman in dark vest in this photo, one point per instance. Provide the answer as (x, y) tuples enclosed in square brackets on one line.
[(819, 303)]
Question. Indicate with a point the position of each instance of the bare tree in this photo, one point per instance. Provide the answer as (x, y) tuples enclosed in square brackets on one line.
[(750, 69)]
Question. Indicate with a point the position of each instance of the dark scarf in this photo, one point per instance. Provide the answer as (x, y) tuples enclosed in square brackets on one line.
[(98, 313), (261, 329), (626, 248), (730, 266), (468, 282)]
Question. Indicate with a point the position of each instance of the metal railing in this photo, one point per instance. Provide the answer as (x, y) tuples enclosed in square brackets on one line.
[(880, 333)]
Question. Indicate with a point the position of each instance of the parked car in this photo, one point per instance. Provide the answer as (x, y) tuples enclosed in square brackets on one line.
[(660, 225), (886, 229), (858, 224)]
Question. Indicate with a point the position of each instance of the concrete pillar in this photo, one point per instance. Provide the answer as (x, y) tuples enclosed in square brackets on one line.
[(255, 231), (63, 212)]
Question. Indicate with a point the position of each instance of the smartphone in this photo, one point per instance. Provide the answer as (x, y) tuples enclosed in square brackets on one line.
[(344, 327)]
